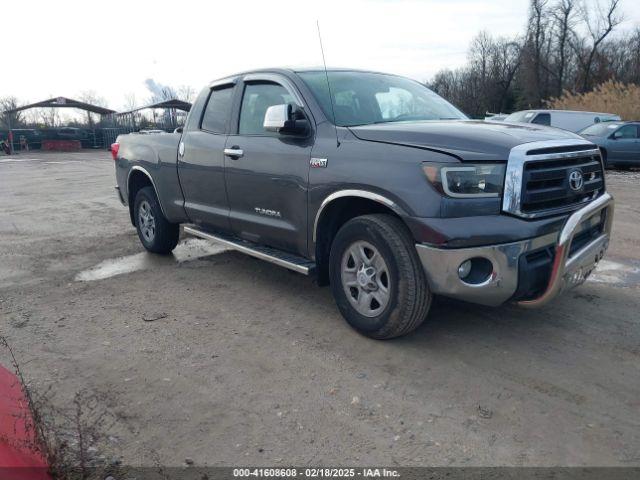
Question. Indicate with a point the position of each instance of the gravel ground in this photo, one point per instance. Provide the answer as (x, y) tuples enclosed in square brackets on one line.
[(220, 358)]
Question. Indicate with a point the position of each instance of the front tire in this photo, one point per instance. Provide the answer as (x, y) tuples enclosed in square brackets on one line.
[(376, 277), (156, 233)]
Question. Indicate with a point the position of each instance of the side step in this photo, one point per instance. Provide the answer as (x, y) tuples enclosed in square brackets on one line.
[(273, 255)]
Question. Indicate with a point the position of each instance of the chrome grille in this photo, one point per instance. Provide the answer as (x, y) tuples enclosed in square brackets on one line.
[(537, 181), (546, 186)]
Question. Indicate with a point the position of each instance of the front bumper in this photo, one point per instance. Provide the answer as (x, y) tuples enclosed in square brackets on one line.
[(569, 266)]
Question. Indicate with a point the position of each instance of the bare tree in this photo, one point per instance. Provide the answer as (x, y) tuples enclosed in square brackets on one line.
[(606, 21), (92, 98), (568, 46), (535, 43), (486, 84), (50, 117), (564, 18), (13, 119), (130, 102), (508, 55), (186, 93), (479, 53)]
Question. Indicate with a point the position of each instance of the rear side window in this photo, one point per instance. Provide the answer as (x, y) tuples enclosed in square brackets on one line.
[(257, 98), (542, 119), (217, 110)]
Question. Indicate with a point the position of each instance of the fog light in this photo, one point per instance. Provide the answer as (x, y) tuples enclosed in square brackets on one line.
[(464, 269), (475, 271)]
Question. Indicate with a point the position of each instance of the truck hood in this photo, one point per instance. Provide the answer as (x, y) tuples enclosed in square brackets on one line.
[(468, 140)]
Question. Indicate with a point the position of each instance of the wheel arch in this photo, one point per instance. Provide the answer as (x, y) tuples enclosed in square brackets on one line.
[(138, 178), (337, 209)]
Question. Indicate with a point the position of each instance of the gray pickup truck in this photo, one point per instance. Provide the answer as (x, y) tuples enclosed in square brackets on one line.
[(376, 186)]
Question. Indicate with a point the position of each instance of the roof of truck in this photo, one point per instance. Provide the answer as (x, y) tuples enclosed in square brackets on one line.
[(320, 68), (301, 70)]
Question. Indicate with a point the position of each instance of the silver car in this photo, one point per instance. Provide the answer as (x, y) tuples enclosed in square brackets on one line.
[(619, 142)]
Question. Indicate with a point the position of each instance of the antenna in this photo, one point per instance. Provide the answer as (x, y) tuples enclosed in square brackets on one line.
[(326, 74)]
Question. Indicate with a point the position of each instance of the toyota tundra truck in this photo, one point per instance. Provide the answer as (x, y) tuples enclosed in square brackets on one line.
[(378, 187)]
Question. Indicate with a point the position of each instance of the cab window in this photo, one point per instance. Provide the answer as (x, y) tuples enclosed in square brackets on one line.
[(217, 110), (542, 119), (257, 98)]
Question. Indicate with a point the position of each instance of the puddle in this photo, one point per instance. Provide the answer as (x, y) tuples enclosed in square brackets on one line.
[(616, 273), (48, 162), (18, 160), (188, 250)]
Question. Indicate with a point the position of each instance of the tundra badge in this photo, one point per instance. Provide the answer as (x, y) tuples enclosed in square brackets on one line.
[(268, 212)]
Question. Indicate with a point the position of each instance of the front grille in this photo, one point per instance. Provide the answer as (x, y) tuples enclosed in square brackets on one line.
[(546, 185)]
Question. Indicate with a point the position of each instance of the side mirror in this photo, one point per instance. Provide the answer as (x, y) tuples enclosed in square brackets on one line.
[(285, 119), (616, 135)]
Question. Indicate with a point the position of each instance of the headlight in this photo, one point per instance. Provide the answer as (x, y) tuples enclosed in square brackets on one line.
[(478, 180)]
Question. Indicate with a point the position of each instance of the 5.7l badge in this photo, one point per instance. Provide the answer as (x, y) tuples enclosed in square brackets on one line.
[(318, 163)]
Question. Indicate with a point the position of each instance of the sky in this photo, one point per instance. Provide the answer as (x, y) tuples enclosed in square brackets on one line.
[(66, 47)]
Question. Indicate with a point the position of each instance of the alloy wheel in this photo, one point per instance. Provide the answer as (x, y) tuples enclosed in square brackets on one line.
[(365, 278)]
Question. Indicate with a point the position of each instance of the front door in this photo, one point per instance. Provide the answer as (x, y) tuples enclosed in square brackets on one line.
[(201, 162), (624, 145), (267, 173)]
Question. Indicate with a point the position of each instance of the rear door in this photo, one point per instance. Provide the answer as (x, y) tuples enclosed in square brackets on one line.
[(201, 160), (267, 183)]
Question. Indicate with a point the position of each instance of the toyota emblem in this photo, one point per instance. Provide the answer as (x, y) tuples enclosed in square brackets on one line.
[(576, 181)]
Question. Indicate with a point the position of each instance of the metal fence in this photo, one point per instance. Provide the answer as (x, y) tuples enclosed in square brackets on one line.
[(95, 138), (109, 135)]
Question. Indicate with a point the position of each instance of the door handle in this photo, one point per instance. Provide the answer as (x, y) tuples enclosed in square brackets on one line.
[(234, 152)]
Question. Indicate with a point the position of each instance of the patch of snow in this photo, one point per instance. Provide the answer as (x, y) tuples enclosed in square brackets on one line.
[(615, 273), (188, 250)]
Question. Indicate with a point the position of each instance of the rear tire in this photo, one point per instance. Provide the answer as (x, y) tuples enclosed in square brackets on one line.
[(376, 277), (156, 233)]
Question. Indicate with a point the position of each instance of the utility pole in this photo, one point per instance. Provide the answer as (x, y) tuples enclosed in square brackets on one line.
[(9, 135)]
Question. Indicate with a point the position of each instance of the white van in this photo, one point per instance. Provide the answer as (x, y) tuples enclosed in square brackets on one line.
[(573, 121)]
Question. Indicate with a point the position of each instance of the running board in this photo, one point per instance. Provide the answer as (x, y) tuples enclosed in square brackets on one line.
[(273, 255)]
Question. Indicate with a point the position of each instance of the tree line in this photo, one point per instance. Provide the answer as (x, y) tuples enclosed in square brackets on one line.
[(566, 48)]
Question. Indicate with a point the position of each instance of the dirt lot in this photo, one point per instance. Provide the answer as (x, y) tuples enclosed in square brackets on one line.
[(226, 360)]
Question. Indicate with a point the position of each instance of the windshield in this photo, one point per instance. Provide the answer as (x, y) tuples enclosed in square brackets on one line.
[(600, 129), (364, 98)]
